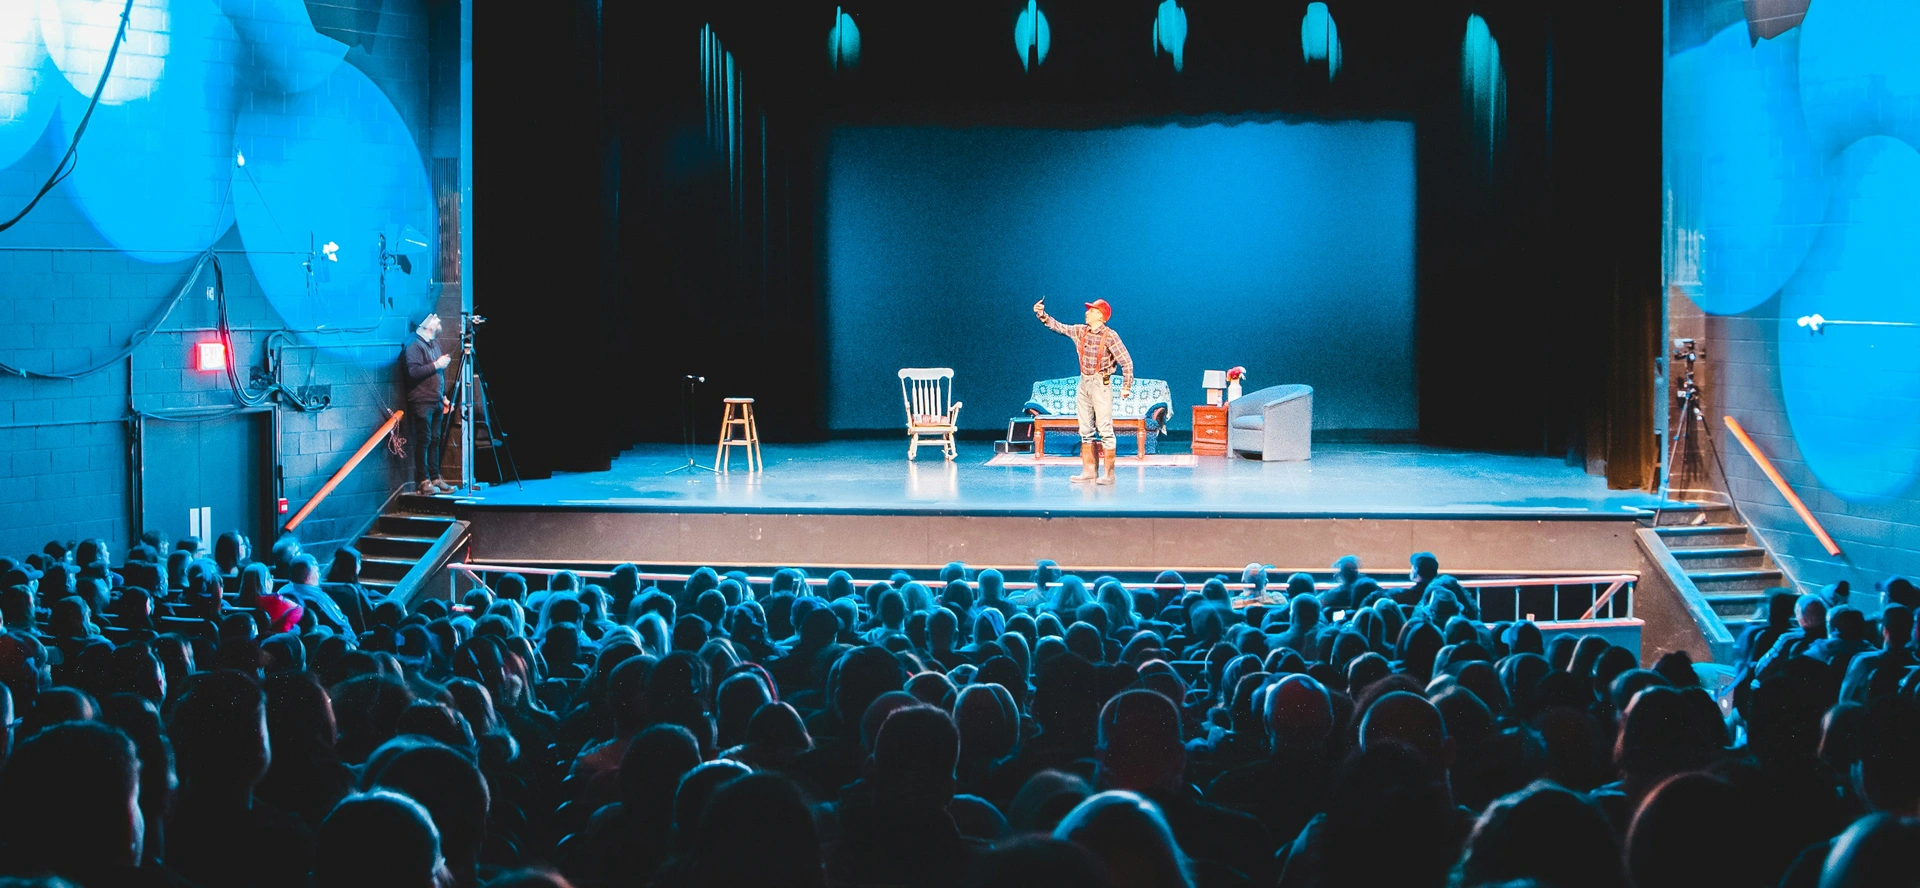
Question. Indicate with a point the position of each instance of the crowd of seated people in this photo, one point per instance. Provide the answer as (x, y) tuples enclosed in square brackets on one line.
[(179, 719)]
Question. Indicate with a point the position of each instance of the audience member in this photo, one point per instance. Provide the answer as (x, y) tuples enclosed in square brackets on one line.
[(917, 732)]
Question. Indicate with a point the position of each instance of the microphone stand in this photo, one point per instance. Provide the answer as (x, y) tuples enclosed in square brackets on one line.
[(686, 429)]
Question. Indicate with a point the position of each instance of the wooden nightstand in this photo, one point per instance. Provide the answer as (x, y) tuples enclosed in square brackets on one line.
[(1209, 430)]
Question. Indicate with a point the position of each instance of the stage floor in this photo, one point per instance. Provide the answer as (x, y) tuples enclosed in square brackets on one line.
[(874, 477)]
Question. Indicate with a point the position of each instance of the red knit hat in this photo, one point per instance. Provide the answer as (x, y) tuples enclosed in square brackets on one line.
[(1106, 311)]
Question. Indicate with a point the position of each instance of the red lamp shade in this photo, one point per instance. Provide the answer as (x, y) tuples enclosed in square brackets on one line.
[(209, 356)]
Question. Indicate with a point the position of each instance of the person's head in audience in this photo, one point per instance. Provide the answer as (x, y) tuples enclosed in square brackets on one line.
[(1409, 720), (691, 796), (1130, 835), (914, 755), (303, 570), (786, 842), (1887, 772), (70, 804), (219, 732), (6, 726), (1039, 861), (1544, 833), (230, 551), (1139, 743), (451, 788), (1875, 852), (530, 877), (140, 719), (1784, 712), (1299, 715), (1666, 731), (1678, 818), (57, 705), (379, 839)]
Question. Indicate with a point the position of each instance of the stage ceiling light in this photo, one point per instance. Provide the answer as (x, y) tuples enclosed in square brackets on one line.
[(1170, 32), (1032, 37), (1319, 38), (843, 41), (1483, 81)]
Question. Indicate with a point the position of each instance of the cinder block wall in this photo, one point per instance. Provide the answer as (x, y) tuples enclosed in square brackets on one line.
[(1791, 145), (87, 271)]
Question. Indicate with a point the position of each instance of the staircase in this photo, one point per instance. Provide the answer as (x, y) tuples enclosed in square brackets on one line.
[(1720, 557), (405, 544)]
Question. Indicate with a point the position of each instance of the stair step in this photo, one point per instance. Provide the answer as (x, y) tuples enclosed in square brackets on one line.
[(1681, 535), (1752, 580), (1684, 514), (1703, 557), (1735, 606), (395, 544), (414, 524), (387, 568)]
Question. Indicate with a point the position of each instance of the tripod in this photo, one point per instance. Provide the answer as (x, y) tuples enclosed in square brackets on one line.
[(1682, 454), (472, 389), (686, 429)]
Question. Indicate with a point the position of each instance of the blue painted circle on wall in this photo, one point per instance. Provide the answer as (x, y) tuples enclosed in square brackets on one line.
[(1853, 393), (1858, 76), (332, 164), (25, 107), (153, 171), (1743, 168)]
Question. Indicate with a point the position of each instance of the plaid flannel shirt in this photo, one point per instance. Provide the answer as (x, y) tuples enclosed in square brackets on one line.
[(1099, 352)]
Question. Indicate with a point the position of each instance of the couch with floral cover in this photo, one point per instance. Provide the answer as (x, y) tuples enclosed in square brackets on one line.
[(1150, 400)]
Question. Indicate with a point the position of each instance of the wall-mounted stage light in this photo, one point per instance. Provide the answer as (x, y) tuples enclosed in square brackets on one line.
[(319, 261), (209, 356), (843, 41), (407, 243), (1170, 32), (1032, 37), (1320, 39)]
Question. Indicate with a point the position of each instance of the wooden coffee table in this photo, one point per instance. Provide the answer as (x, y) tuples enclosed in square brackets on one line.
[(1041, 424)]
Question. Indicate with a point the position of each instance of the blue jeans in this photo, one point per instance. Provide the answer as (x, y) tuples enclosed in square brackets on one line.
[(427, 431)]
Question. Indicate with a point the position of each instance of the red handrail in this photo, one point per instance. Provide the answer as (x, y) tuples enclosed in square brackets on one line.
[(339, 476), (1773, 474)]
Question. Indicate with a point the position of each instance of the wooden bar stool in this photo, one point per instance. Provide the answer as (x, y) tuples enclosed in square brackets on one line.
[(739, 412)]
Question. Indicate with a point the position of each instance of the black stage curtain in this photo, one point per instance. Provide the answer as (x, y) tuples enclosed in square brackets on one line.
[(622, 246)]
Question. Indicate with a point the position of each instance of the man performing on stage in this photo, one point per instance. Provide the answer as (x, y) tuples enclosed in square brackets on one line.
[(1100, 349)]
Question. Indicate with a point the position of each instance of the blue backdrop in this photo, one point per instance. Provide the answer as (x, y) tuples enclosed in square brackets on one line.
[(1284, 247)]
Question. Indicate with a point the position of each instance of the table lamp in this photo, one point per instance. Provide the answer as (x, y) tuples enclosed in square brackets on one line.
[(1215, 382)]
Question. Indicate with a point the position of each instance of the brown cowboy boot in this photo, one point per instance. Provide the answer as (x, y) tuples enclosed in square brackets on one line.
[(1087, 472), (1106, 460)]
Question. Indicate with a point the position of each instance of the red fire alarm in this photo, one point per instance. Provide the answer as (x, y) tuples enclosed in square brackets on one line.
[(209, 356), (283, 505)]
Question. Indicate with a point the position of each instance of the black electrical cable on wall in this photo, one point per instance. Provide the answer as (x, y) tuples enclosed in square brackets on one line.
[(71, 158), (243, 392)]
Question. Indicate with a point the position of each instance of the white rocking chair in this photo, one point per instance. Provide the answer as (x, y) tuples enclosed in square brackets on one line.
[(932, 414)]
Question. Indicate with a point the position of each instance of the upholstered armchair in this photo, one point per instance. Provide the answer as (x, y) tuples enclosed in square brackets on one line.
[(1274, 423)]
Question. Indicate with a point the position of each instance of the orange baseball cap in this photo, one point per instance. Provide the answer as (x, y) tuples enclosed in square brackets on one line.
[(1106, 310)]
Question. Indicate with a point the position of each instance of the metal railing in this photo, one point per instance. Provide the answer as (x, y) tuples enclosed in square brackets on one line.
[(1604, 590), (353, 461), (1780, 484)]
